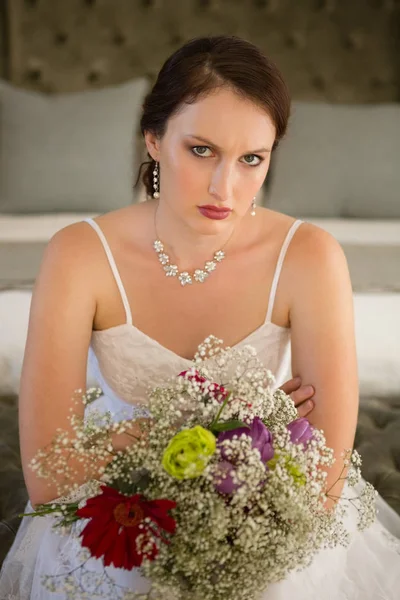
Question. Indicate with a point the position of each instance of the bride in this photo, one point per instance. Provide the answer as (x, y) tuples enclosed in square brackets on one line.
[(215, 114)]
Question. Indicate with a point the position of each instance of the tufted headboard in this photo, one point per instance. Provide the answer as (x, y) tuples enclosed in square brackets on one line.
[(329, 50)]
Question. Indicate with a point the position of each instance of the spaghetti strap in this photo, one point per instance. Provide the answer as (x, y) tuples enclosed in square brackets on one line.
[(114, 268), (278, 269)]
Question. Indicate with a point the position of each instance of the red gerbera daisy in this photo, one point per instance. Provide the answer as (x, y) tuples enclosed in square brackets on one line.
[(115, 523), (213, 389)]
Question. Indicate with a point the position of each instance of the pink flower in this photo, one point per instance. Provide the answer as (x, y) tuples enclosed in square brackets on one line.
[(216, 391)]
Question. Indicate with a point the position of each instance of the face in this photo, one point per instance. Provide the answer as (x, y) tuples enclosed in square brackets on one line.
[(215, 152)]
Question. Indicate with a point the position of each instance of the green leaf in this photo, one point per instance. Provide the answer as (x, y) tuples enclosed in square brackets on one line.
[(228, 426)]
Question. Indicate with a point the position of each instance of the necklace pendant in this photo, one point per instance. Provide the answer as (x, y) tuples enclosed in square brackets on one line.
[(163, 258), (185, 278), (171, 270), (210, 266), (158, 246), (200, 275)]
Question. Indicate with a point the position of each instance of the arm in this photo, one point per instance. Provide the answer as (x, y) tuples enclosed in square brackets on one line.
[(323, 339), (55, 359)]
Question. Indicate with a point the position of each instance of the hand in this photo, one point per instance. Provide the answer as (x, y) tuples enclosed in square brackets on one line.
[(133, 433), (300, 394)]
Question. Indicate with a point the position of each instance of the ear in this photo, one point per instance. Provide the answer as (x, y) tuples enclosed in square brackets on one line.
[(152, 144)]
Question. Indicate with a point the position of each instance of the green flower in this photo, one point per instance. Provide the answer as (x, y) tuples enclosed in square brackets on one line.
[(291, 467), (188, 453)]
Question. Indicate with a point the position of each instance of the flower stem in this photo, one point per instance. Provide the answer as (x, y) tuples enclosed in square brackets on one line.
[(215, 421), (44, 509)]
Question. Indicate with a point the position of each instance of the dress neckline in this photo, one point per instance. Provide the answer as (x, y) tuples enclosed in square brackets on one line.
[(130, 327)]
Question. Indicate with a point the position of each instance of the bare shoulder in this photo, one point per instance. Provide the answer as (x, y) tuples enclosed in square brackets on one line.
[(68, 245), (321, 286), (65, 281), (314, 260), (125, 223), (73, 259), (313, 249), (310, 238), (79, 239)]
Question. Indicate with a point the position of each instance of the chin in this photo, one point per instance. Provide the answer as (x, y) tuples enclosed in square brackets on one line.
[(214, 225)]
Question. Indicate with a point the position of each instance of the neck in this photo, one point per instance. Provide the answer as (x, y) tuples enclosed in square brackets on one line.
[(189, 249)]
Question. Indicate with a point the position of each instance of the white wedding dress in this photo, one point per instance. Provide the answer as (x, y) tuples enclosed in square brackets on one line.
[(125, 362)]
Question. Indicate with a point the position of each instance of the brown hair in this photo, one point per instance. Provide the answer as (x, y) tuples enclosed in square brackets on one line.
[(203, 65)]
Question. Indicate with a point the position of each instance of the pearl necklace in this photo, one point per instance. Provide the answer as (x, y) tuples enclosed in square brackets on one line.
[(184, 277)]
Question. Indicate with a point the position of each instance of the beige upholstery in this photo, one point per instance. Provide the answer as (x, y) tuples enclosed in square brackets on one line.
[(329, 50)]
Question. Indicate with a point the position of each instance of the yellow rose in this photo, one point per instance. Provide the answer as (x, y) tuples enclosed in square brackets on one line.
[(188, 453)]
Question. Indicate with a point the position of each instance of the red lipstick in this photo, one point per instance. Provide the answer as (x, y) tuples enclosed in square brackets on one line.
[(214, 212)]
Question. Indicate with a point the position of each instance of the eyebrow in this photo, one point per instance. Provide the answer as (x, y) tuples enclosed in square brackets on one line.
[(202, 139)]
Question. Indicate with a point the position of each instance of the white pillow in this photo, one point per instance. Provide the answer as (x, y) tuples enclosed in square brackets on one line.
[(338, 160), (71, 152)]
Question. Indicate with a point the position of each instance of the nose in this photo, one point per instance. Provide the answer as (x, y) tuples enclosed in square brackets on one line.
[(221, 184)]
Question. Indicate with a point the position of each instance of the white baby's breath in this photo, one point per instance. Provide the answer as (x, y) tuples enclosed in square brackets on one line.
[(224, 546)]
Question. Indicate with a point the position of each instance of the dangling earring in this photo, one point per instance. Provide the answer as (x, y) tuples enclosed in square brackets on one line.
[(156, 193), (253, 207)]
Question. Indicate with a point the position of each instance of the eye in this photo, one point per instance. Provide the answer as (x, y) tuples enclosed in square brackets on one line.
[(260, 159), (200, 151), (196, 148)]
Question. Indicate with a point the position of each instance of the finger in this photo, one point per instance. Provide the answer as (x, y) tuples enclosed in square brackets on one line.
[(305, 408), (291, 385), (305, 392)]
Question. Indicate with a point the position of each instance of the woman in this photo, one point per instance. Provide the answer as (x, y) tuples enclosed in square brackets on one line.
[(211, 122)]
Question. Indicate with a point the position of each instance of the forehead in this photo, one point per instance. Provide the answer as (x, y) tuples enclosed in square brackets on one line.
[(224, 113)]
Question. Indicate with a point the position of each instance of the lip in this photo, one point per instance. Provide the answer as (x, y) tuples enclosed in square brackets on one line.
[(216, 208), (214, 213)]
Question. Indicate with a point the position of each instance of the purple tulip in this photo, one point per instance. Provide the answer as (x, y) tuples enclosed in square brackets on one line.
[(260, 435), (300, 431), (225, 483)]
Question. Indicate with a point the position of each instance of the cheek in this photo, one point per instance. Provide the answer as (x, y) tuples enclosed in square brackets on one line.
[(250, 180), (260, 175), (187, 177)]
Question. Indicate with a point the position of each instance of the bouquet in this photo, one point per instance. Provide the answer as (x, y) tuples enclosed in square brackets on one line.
[(223, 493)]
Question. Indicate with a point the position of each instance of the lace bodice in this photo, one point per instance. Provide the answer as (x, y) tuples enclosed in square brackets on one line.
[(126, 362)]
